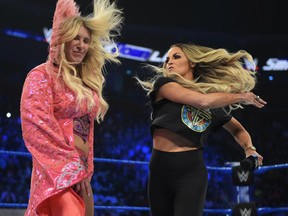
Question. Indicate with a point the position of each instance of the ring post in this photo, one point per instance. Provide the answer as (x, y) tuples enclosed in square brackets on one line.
[(241, 191)]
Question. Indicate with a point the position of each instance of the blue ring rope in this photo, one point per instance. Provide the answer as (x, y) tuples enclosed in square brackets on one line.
[(260, 170), (263, 210)]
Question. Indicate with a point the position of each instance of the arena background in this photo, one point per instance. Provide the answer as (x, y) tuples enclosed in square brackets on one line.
[(150, 27)]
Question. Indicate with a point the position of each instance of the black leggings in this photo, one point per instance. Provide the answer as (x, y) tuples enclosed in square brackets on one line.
[(177, 183)]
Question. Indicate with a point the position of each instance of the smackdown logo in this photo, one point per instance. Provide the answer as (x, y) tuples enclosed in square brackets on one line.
[(275, 64), (128, 51), (143, 54)]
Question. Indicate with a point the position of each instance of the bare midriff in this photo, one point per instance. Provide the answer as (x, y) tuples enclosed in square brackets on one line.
[(81, 144), (165, 140)]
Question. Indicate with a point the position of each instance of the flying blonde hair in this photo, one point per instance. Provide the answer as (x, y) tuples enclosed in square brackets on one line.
[(216, 70), (104, 24)]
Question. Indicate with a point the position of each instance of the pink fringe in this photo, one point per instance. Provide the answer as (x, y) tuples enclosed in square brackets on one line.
[(64, 9)]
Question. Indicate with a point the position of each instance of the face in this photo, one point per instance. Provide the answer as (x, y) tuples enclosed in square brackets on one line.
[(76, 49), (177, 62)]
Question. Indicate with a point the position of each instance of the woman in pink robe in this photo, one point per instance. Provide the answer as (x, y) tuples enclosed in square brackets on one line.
[(61, 98)]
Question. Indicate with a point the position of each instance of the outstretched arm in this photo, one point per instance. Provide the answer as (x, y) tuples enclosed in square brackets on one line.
[(176, 93)]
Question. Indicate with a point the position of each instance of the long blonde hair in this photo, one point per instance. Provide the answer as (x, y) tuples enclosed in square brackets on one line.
[(216, 70), (103, 24)]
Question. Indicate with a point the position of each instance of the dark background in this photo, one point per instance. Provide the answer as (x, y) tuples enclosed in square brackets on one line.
[(260, 27), (257, 26)]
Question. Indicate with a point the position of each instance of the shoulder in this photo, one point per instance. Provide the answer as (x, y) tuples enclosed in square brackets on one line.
[(160, 81), (39, 70), (38, 76)]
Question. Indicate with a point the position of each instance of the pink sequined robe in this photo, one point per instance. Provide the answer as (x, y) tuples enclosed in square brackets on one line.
[(48, 108)]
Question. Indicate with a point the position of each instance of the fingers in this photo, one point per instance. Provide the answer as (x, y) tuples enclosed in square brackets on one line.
[(77, 188), (82, 187), (259, 104), (255, 100), (258, 101), (260, 160), (254, 153), (86, 187)]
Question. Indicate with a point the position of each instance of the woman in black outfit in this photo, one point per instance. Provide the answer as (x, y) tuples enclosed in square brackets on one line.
[(188, 96)]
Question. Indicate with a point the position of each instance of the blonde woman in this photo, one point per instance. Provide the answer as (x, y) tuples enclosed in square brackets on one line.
[(187, 97), (60, 101)]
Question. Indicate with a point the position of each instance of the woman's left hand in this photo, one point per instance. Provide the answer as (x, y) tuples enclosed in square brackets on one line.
[(250, 152)]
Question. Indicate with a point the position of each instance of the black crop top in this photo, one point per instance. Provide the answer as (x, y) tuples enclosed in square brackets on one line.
[(187, 121)]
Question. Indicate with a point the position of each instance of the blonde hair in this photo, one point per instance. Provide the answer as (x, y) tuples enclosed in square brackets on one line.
[(103, 24), (216, 70)]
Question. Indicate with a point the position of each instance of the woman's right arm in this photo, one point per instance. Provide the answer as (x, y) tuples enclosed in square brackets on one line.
[(178, 94)]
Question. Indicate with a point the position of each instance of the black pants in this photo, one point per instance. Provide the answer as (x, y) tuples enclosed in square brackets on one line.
[(177, 183)]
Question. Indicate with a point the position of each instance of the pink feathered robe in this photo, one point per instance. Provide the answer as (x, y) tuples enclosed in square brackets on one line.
[(48, 108)]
